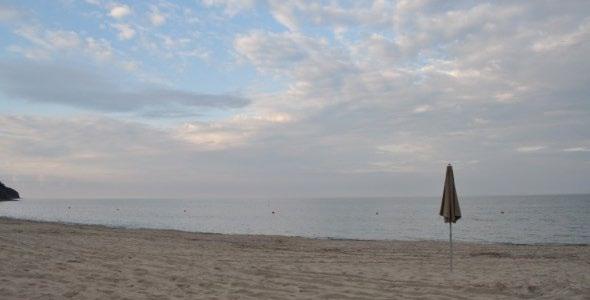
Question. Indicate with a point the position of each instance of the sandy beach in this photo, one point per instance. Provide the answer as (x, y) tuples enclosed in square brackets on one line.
[(56, 261)]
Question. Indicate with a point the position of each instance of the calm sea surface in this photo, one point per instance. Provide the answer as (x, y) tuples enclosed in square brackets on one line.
[(526, 219)]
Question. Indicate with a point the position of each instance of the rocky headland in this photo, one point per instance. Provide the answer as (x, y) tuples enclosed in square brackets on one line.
[(8, 194)]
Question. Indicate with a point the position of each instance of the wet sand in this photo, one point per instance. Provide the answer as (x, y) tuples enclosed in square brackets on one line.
[(40, 260)]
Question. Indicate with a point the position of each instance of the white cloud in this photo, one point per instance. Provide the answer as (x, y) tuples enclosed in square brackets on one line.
[(100, 49), (527, 149), (8, 13), (388, 166), (423, 108), (130, 65), (564, 40), (577, 149), (49, 39), (73, 148), (283, 12), (46, 42), (272, 51), (239, 130), (407, 148), (126, 32), (119, 11), (198, 53), (30, 53), (231, 7), (481, 121), (505, 97), (93, 2), (63, 39), (157, 18), (292, 14), (212, 136)]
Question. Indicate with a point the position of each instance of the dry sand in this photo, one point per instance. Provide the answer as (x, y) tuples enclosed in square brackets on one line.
[(55, 261)]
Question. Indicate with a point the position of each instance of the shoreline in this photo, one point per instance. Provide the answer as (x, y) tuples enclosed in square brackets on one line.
[(60, 261), (291, 236)]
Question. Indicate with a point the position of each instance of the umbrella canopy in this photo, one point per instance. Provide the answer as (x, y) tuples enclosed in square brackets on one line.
[(449, 207)]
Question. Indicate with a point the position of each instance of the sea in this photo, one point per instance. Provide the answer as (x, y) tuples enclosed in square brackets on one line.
[(543, 219)]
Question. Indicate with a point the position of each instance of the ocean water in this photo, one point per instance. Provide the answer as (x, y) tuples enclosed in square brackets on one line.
[(563, 219)]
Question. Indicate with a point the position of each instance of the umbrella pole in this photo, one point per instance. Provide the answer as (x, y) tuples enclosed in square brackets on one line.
[(451, 243)]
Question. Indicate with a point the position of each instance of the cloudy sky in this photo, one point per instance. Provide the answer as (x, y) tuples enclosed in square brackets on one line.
[(249, 98)]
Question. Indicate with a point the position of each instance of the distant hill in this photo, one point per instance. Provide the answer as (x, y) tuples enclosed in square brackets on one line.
[(7, 194)]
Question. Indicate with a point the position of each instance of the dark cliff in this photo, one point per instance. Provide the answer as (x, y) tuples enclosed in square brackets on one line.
[(7, 194)]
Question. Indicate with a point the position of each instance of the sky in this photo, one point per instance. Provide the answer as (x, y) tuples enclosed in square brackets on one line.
[(273, 98)]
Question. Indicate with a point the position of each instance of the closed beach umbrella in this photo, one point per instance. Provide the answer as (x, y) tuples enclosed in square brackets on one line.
[(449, 207)]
